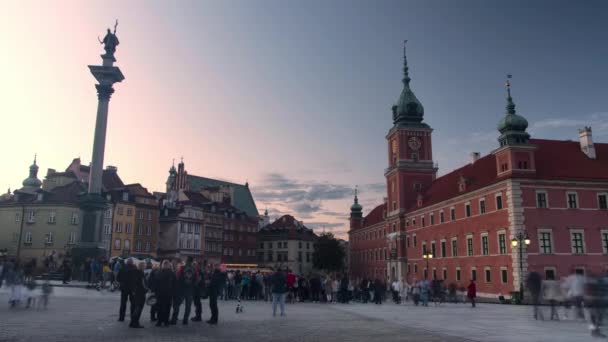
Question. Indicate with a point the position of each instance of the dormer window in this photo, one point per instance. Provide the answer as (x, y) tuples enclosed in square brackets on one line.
[(125, 196)]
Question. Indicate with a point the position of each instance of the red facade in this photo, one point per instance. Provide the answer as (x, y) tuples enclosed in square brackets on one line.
[(555, 192)]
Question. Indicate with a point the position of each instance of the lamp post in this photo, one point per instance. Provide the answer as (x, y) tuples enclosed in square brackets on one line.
[(427, 256), (519, 240)]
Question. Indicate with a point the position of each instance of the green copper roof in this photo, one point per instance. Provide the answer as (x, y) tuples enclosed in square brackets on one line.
[(356, 209), (512, 126), (243, 199), (408, 110)]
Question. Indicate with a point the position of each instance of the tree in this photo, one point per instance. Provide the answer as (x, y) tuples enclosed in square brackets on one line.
[(328, 254)]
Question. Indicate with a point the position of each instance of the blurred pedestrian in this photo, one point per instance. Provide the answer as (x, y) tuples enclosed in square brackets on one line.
[(187, 278), (574, 286), (534, 284), (472, 292), (199, 292), (126, 292), (553, 295), (138, 299), (595, 296)]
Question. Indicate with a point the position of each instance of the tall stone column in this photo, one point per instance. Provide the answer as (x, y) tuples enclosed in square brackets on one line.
[(93, 203)]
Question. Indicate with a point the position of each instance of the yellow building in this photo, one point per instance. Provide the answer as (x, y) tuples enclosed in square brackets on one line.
[(135, 216)]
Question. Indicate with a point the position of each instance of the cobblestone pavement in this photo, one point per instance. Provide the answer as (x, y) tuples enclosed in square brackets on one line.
[(88, 315)]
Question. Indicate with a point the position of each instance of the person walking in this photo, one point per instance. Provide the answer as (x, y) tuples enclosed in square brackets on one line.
[(472, 292), (67, 271), (278, 289), (378, 289), (126, 292), (150, 272), (534, 284), (215, 287), (164, 285)]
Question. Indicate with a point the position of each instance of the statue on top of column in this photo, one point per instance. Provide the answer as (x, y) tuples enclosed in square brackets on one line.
[(110, 42)]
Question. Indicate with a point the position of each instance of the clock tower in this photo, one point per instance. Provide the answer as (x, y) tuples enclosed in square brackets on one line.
[(410, 155)]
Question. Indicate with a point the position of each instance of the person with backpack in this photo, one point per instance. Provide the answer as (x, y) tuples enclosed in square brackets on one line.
[(187, 278)]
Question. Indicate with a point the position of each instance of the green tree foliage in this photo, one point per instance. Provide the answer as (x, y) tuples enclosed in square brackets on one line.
[(328, 254)]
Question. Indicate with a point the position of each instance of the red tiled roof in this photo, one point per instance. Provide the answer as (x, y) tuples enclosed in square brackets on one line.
[(555, 160), (288, 224), (564, 160), (374, 216), (138, 190)]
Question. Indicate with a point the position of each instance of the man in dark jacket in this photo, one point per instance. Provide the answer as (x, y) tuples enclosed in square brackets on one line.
[(164, 285), (215, 287), (135, 277), (198, 293), (126, 292)]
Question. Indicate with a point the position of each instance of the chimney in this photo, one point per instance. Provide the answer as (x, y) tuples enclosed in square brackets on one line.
[(474, 157), (586, 141), (111, 168)]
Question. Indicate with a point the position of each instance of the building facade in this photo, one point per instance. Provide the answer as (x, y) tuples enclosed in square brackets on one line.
[(36, 223), (287, 243), (225, 212), (471, 223)]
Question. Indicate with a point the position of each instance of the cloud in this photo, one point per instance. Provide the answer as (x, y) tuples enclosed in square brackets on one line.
[(597, 121)]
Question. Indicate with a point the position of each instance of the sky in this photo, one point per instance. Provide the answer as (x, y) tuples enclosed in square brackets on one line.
[(292, 96)]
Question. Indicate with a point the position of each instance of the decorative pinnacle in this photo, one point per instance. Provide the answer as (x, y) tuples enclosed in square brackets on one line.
[(510, 104), (406, 76), (35, 156), (356, 191)]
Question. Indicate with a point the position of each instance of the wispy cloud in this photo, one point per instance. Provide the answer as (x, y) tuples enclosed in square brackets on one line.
[(597, 121)]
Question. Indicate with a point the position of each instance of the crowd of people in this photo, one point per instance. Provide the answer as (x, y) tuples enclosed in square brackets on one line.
[(169, 286), (165, 287)]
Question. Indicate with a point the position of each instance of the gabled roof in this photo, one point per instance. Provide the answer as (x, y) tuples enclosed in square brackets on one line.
[(138, 190), (111, 180), (287, 224), (243, 199), (374, 216)]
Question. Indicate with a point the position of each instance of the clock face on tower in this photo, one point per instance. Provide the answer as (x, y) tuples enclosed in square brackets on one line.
[(414, 143)]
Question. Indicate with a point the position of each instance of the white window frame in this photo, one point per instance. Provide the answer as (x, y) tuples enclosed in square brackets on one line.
[(458, 274), (28, 237), (452, 217), (17, 217), (72, 238), (441, 242), (498, 234), (74, 218), (469, 212), (48, 238), (502, 203), (598, 199), (568, 193), (127, 244), (536, 193), (431, 219), (552, 268), (474, 268), (117, 245), (452, 247), (52, 216), (550, 231), (582, 232), (481, 236), (485, 208), (485, 272), (469, 237), (441, 216), (604, 248), (504, 268), (31, 216)]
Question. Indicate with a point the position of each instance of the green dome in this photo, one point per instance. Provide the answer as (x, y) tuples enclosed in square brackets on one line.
[(512, 122), (356, 207), (32, 182)]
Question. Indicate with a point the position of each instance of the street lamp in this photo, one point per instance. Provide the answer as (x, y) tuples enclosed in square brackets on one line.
[(520, 240), (427, 256)]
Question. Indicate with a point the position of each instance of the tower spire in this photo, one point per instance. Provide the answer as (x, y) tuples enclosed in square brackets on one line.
[(406, 75), (510, 105), (35, 157)]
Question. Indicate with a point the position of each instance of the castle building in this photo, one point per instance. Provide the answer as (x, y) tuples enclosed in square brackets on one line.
[(530, 205)]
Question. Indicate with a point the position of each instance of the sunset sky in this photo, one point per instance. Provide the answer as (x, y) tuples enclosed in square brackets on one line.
[(292, 96)]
